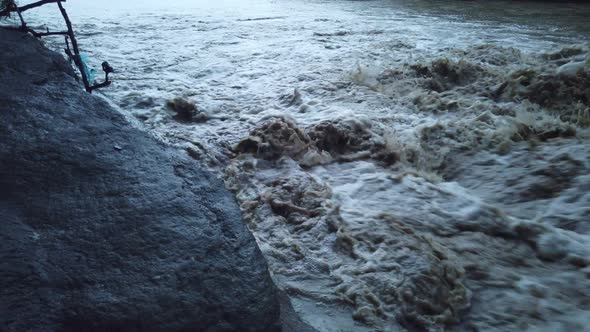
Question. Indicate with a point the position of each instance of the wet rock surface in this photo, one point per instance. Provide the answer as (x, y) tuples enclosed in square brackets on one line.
[(102, 228)]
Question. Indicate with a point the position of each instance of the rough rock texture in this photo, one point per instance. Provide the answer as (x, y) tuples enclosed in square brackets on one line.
[(104, 229)]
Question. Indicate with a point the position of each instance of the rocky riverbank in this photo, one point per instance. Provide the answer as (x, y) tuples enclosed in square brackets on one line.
[(102, 228)]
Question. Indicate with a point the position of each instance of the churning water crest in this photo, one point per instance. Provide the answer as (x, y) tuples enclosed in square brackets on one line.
[(403, 165)]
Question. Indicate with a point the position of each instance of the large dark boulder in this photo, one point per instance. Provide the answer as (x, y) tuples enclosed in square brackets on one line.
[(102, 228)]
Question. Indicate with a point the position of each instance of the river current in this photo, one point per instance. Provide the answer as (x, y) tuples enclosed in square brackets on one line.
[(403, 165)]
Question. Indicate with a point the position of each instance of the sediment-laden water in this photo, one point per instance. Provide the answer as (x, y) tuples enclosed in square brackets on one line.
[(403, 165)]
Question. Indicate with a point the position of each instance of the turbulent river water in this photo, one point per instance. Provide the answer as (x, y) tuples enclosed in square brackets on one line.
[(403, 165)]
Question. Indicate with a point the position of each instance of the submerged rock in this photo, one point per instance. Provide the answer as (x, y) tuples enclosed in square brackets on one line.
[(104, 229), (186, 111)]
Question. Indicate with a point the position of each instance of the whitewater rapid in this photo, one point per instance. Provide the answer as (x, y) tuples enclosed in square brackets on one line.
[(403, 165)]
